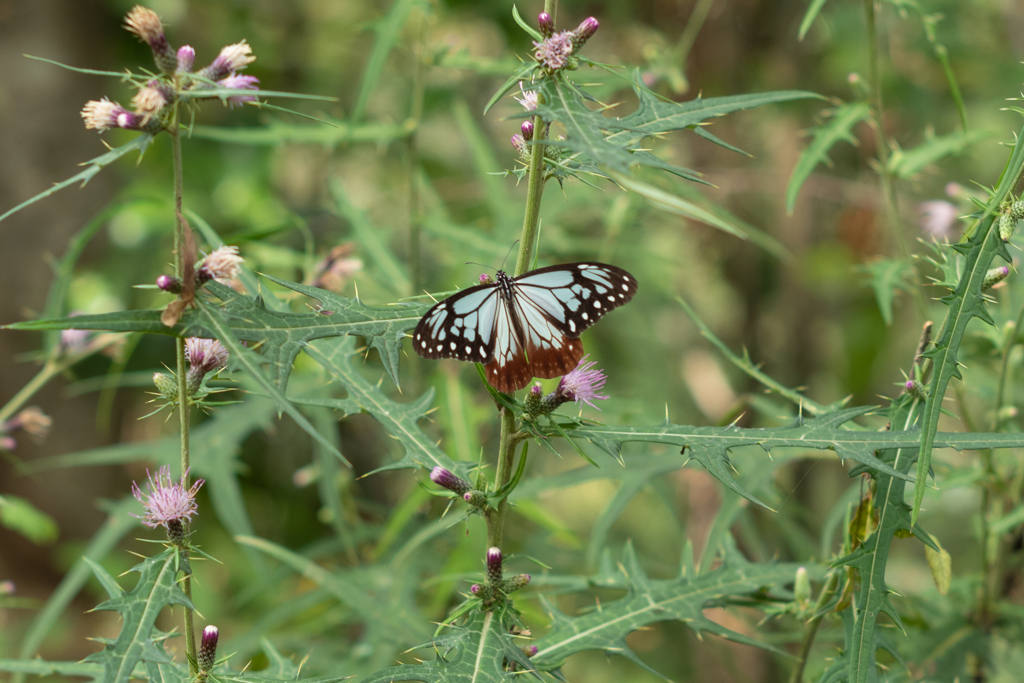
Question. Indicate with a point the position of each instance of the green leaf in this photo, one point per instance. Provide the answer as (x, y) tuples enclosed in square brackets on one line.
[(387, 34), (839, 128), (533, 33), (20, 516), (157, 588), (907, 164), (39, 667), (399, 419), (475, 652), (276, 133), (647, 601), (93, 166), (887, 277), (964, 303), (711, 445), (524, 74), (809, 16)]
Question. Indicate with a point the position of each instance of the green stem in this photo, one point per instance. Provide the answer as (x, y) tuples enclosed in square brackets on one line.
[(506, 456), (412, 125), (811, 627), (183, 403)]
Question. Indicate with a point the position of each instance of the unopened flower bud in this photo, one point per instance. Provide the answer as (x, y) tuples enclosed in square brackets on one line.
[(448, 480), (167, 385), (146, 24), (520, 144), (208, 649), (533, 406), (584, 32), (514, 583), (494, 566), (486, 279), (1017, 210), (546, 23), (169, 283), (527, 130), (1006, 413), (529, 650), (186, 59), (802, 586), (1007, 224), (475, 498), (916, 389), (994, 276), (483, 592)]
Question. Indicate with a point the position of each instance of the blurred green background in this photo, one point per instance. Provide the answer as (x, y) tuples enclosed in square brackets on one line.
[(811, 320)]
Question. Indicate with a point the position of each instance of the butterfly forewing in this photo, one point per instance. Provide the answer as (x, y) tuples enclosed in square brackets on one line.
[(462, 326), (574, 296)]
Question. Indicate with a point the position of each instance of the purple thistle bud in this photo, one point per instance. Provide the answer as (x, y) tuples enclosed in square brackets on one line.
[(169, 283), (486, 279), (530, 650), (446, 479), (221, 264), (916, 389), (167, 503), (585, 31), (231, 59), (146, 24), (546, 23), (520, 144), (104, 115), (994, 277), (494, 566), (475, 588), (236, 82), (582, 384), (527, 130), (208, 649), (186, 59), (475, 498), (553, 52), (532, 405), (528, 99)]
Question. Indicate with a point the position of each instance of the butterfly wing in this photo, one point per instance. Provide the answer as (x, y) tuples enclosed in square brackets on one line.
[(462, 326), (574, 296), (510, 369)]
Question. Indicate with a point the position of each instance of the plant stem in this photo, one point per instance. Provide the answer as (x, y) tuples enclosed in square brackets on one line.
[(412, 157), (183, 405), (531, 222), (811, 627), (885, 174)]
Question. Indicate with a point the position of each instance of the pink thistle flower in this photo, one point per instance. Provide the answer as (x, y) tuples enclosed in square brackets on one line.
[(166, 503), (231, 59), (582, 384), (937, 218), (221, 264), (31, 420), (528, 99), (186, 59), (485, 279), (146, 24), (553, 53), (104, 115), (236, 82), (205, 355)]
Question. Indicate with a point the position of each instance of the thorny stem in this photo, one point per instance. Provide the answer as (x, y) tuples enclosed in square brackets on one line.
[(885, 175), (811, 627), (531, 222), (179, 353)]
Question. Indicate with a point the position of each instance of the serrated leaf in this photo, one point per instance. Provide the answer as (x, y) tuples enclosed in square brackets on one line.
[(139, 608), (907, 164), (399, 419), (838, 128), (887, 277), (475, 652), (648, 601), (92, 167), (712, 444)]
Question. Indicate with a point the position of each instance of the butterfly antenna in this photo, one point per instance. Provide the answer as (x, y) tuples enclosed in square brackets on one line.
[(474, 263), (508, 254)]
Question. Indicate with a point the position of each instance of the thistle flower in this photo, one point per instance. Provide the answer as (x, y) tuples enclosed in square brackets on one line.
[(236, 82), (31, 420), (221, 264), (530, 650), (528, 99), (486, 279), (146, 24), (208, 649), (936, 218), (448, 480), (231, 59), (186, 59), (546, 23), (582, 384), (71, 339), (150, 100), (104, 115), (205, 355), (168, 504), (554, 51), (475, 498)]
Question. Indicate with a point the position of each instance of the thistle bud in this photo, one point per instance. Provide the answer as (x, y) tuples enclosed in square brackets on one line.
[(520, 145), (485, 593), (169, 283), (446, 479), (475, 498), (1007, 223), (512, 584), (529, 650), (527, 130), (494, 566), (546, 23), (916, 389), (167, 385), (994, 277), (802, 587), (186, 59), (584, 32), (533, 406), (1017, 210), (486, 279), (208, 649)]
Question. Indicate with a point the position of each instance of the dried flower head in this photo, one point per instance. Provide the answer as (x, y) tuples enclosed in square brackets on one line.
[(104, 115), (146, 24), (205, 355), (236, 82), (31, 420), (186, 59), (554, 52), (528, 98), (221, 264), (582, 384), (231, 59), (165, 501), (937, 218)]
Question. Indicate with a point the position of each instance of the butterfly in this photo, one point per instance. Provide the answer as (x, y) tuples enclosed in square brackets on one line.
[(524, 327)]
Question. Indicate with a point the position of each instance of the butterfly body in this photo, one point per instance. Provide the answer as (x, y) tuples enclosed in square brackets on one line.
[(524, 327)]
